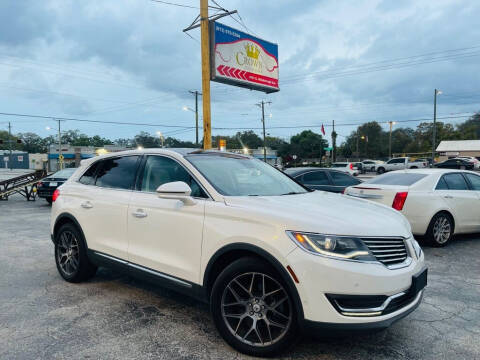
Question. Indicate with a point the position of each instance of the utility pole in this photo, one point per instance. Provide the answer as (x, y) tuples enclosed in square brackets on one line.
[(196, 93), (10, 145), (437, 92), (207, 129), (262, 106), (390, 139), (358, 153), (60, 156), (334, 139)]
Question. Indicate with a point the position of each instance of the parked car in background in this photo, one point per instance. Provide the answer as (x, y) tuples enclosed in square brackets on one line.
[(48, 185), (456, 163), (270, 256), (369, 165), (323, 179), (399, 163), (437, 203), (347, 167), (475, 161)]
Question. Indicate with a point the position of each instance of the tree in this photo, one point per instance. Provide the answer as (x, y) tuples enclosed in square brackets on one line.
[(146, 140), (470, 129), (307, 145), (32, 143)]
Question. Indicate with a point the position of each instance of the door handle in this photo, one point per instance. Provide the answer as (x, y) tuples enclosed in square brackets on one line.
[(448, 196), (139, 213), (86, 205)]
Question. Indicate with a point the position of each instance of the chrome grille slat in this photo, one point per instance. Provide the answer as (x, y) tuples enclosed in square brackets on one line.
[(387, 251)]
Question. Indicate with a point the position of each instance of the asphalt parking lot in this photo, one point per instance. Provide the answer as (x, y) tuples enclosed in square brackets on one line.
[(116, 317)]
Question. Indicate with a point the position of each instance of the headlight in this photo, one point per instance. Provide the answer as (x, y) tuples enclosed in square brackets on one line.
[(417, 248), (341, 247)]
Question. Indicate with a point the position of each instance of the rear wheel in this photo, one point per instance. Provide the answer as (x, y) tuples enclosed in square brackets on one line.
[(440, 230), (252, 308), (71, 255), (49, 200)]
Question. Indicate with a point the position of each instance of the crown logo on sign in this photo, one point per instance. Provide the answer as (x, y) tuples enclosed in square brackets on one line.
[(252, 51)]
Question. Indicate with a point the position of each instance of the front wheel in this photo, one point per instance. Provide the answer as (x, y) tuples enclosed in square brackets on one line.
[(440, 230), (252, 308), (71, 255), (381, 170)]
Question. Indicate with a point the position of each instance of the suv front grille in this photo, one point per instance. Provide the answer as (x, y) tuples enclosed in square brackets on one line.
[(387, 251)]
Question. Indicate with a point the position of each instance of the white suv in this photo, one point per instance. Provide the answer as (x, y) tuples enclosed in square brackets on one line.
[(270, 256)]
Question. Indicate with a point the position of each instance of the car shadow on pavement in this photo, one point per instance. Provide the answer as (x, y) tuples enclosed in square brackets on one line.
[(149, 303)]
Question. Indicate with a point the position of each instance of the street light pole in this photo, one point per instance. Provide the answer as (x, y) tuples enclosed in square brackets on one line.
[(207, 130)]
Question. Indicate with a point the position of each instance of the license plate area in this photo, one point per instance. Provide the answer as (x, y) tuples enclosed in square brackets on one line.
[(52, 184)]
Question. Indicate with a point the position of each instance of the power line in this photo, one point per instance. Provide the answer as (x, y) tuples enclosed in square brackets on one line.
[(175, 4), (93, 121)]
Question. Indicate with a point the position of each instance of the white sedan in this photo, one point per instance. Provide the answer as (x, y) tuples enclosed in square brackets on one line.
[(438, 203)]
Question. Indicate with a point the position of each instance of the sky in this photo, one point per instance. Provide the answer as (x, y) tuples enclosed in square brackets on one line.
[(129, 61)]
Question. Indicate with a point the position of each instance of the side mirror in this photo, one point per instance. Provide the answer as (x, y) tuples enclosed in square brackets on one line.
[(177, 190)]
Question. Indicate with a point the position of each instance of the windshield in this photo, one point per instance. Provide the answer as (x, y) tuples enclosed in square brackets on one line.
[(338, 165), (242, 176), (64, 174), (397, 179)]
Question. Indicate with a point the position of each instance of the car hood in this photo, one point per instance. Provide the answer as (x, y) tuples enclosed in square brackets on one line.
[(324, 212)]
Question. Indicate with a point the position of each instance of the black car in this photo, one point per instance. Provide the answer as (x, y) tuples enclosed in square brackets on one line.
[(323, 179), (47, 186), (456, 164)]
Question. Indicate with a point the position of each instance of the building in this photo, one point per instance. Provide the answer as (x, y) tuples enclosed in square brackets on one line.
[(451, 149), (19, 159), (72, 155)]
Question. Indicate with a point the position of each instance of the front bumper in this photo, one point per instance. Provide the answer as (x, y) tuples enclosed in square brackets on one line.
[(319, 276)]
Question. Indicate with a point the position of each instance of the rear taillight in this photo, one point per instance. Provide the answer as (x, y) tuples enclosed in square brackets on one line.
[(399, 200), (55, 195), (351, 166)]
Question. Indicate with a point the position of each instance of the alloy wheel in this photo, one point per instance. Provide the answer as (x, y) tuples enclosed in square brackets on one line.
[(256, 309), (68, 254), (442, 229)]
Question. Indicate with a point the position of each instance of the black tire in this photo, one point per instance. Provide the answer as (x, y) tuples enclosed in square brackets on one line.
[(71, 255), (49, 200), (462, 167), (414, 167), (440, 230), (259, 310), (380, 170)]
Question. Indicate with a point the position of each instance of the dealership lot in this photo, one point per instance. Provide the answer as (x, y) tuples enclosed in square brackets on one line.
[(116, 317)]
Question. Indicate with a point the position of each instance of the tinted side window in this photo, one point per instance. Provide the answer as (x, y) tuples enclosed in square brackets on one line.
[(316, 178), (88, 177), (455, 182), (474, 180), (159, 170), (118, 173), (340, 179), (442, 184)]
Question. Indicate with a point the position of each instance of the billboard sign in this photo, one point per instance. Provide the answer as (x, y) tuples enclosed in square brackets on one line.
[(240, 59)]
